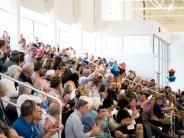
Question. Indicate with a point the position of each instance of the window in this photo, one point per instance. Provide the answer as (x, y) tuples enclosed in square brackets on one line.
[(27, 29), (5, 20), (156, 47), (98, 47), (33, 24), (161, 60), (40, 31), (88, 43), (69, 36)]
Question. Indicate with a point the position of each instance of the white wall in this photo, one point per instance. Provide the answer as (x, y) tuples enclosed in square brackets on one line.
[(143, 65), (66, 11), (177, 60), (35, 5), (138, 55), (87, 15), (118, 28), (137, 52)]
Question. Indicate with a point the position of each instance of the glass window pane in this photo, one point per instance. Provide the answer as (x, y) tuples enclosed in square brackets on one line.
[(70, 39), (156, 46), (164, 74), (157, 64), (40, 31), (161, 48), (98, 48), (161, 51), (88, 43), (26, 28), (5, 20)]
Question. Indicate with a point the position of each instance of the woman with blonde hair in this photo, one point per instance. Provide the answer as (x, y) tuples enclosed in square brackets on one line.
[(14, 72)]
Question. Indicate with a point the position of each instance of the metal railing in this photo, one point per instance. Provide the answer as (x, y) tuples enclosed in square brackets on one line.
[(172, 115), (142, 85), (9, 102), (37, 90)]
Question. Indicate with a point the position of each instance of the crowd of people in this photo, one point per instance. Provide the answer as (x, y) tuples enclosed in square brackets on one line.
[(94, 102)]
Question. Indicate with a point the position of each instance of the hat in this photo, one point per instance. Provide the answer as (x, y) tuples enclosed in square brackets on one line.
[(40, 51)]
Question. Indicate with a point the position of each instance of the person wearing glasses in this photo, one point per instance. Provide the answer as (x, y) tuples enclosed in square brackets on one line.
[(25, 125)]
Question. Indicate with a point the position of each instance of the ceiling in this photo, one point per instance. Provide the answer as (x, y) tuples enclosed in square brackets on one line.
[(169, 13)]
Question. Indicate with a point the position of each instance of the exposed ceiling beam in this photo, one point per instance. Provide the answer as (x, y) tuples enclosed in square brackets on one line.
[(153, 3), (133, 0), (158, 8), (173, 1), (156, 1), (146, 0), (161, 3), (159, 16)]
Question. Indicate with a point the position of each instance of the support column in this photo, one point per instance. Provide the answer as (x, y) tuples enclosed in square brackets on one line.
[(128, 10), (14, 23), (52, 7)]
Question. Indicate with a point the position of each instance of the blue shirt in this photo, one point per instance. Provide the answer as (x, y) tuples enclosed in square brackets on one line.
[(44, 103), (24, 128), (157, 110), (88, 121)]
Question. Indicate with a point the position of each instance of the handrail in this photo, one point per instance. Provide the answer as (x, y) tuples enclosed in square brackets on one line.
[(19, 82), (39, 91), (142, 85), (9, 102)]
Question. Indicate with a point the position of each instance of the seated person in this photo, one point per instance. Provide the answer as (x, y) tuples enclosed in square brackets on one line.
[(7, 131), (127, 121), (24, 124)]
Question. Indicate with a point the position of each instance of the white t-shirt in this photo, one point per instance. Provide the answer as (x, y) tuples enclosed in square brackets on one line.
[(131, 126)]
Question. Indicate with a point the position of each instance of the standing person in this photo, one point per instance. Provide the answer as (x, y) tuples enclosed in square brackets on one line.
[(6, 38), (2, 54)]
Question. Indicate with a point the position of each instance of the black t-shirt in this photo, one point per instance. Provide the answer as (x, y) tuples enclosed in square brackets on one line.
[(123, 114)]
